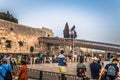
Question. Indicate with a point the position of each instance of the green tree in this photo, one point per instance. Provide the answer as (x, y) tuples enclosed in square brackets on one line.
[(74, 33), (7, 16), (66, 31)]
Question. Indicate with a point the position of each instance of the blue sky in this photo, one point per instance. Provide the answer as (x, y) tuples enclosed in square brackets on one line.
[(96, 20)]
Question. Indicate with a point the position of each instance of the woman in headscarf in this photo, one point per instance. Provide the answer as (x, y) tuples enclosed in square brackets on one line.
[(23, 71)]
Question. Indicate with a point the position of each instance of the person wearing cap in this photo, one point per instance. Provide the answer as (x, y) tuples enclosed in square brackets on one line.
[(95, 68), (111, 71)]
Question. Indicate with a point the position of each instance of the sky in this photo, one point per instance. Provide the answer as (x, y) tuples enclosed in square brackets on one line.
[(95, 20)]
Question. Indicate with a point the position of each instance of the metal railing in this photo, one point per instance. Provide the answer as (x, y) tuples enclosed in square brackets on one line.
[(47, 75)]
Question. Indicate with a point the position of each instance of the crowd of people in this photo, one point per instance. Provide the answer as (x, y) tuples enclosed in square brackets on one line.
[(7, 70), (98, 70)]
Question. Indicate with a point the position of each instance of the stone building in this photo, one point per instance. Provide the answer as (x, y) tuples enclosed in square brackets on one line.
[(16, 38)]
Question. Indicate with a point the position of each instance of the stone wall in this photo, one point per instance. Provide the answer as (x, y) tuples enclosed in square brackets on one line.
[(20, 33)]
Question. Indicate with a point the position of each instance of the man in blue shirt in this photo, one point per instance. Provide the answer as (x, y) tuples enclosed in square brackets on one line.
[(62, 62), (2, 68), (95, 68)]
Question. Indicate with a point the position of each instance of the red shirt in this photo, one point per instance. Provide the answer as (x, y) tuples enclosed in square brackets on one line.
[(23, 73)]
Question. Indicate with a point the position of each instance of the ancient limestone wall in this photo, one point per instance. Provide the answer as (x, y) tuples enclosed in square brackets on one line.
[(20, 33)]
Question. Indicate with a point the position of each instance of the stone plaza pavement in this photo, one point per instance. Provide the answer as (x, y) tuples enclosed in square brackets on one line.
[(53, 67)]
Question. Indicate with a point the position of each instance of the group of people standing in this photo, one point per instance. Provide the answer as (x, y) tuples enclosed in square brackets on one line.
[(7, 70), (109, 72), (98, 72)]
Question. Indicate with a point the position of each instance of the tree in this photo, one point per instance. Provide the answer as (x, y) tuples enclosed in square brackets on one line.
[(66, 31), (69, 33), (7, 16), (73, 32)]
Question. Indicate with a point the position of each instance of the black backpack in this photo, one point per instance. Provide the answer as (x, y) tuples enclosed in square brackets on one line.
[(111, 71), (81, 72), (8, 75)]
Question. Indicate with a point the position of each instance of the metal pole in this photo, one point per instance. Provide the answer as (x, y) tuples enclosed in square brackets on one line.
[(41, 75), (73, 44), (73, 47), (70, 38)]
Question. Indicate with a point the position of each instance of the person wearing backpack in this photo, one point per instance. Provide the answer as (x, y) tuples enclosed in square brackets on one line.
[(5, 70), (111, 71), (81, 69)]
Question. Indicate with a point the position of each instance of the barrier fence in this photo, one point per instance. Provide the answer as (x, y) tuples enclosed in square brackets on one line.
[(45, 75)]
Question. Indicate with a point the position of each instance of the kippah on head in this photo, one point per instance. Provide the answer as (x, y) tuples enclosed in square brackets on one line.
[(4, 60), (23, 62), (62, 51)]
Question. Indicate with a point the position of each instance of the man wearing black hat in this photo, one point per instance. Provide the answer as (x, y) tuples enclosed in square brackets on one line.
[(111, 71)]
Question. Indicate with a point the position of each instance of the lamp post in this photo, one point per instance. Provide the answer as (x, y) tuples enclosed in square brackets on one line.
[(70, 38), (71, 33)]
